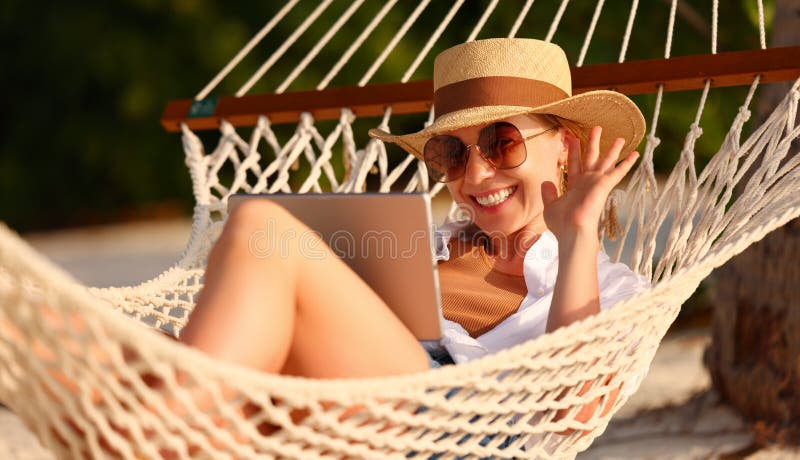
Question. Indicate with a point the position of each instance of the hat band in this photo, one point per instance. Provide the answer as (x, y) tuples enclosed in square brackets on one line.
[(496, 90)]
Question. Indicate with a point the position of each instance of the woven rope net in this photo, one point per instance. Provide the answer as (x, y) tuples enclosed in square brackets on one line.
[(88, 372)]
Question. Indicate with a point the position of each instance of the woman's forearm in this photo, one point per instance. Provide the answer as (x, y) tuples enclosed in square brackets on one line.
[(576, 296), (576, 292)]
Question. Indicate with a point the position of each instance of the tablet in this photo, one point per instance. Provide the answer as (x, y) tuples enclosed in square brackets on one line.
[(386, 238)]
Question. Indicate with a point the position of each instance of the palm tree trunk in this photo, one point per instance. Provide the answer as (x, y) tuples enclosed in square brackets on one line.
[(754, 356)]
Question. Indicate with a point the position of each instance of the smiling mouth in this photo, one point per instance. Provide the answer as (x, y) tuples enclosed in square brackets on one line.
[(495, 198)]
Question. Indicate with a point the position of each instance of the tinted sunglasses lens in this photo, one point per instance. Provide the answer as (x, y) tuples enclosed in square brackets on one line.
[(502, 145), (444, 157)]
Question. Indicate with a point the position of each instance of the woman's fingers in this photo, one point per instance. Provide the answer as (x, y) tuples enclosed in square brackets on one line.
[(623, 167), (611, 157), (549, 193), (593, 152), (591, 160)]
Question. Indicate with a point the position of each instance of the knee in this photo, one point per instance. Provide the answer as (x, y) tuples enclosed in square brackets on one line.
[(249, 215), (261, 226)]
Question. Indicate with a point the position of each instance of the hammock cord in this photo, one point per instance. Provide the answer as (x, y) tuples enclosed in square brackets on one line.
[(670, 29), (590, 32), (643, 180), (628, 29), (395, 40), (246, 50), (762, 36), (681, 187), (556, 20), (319, 45), (356, 44), (714, 25), (431, 41), (323, 5), (523, 13), (482, 21)]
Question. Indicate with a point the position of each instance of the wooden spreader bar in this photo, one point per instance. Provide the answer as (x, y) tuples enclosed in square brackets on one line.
[(633, 77)]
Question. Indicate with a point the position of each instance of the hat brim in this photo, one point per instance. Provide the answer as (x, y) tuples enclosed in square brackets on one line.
[(614, 112)]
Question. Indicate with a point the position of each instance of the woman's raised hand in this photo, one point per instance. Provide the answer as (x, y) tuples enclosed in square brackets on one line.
[(590, 180)]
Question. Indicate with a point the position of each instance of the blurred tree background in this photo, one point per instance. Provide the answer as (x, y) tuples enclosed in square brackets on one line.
[(86, 82)]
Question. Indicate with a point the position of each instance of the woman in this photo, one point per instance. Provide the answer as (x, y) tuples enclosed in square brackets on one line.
[(507, 131)]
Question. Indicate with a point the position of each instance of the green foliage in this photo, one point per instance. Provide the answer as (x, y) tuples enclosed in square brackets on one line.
[(85, 83), (751, 8)]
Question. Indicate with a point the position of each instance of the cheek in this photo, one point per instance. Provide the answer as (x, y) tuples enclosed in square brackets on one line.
[(454, 188), (545, 170), (531, 180)]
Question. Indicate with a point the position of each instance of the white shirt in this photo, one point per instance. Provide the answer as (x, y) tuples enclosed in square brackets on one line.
[(615, 280)]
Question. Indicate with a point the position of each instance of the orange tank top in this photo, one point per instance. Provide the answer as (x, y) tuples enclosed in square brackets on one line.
[(473, 294)]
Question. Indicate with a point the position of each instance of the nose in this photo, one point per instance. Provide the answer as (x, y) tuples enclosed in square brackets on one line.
[(477, 169)]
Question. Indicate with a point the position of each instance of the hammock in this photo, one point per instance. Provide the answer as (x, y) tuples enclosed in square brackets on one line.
[(87, 371)]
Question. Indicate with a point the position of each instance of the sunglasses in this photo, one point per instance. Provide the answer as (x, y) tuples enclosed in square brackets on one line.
[(501, 144)]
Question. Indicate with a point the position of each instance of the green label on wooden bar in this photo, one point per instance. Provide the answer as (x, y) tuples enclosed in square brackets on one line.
[(203, 108)]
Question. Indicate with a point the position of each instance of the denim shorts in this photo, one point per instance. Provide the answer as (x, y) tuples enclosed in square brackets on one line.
[(437, 354)]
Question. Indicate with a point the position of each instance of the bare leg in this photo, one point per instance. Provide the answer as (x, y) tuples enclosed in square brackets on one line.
[(297, 310)]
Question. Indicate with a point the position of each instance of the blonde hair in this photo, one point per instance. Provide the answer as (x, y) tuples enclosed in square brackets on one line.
[(575, 128)]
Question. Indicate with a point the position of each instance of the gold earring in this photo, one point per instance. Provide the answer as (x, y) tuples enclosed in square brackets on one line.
[(562, 187)]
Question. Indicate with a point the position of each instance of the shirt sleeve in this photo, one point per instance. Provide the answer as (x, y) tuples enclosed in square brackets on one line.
[(617, 282), (441, 251), (442, 236), (459, 344)]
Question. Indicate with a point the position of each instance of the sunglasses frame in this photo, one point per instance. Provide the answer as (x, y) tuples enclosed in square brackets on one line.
[(466, 151)]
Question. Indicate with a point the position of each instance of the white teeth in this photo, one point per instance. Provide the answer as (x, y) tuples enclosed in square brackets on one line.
[(495, 198)]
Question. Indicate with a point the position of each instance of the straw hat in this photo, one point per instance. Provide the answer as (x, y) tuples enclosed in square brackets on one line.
[(482, 81)]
